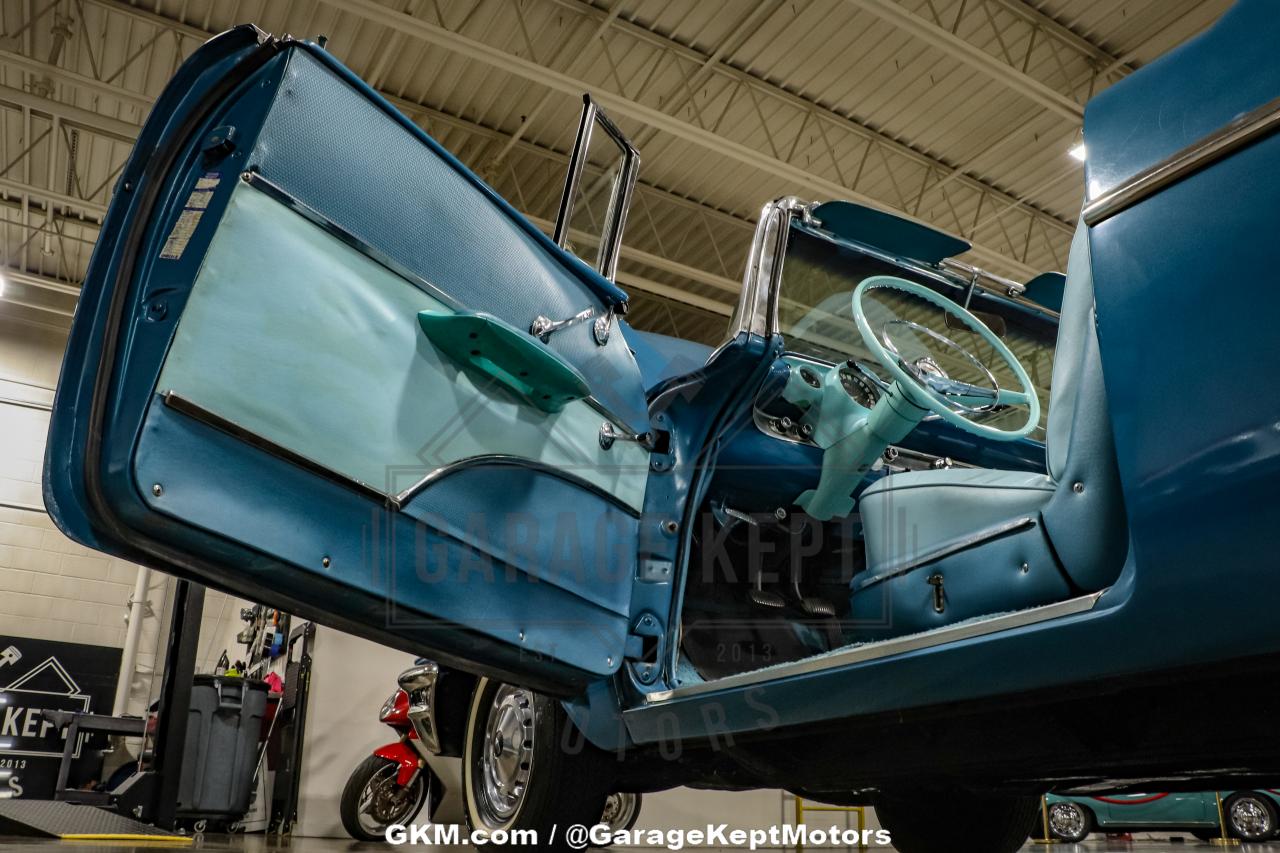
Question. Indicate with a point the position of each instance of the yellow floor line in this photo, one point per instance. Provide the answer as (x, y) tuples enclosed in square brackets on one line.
[(124, 836)]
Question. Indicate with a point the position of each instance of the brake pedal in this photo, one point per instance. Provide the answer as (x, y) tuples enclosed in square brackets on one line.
[(817, 607), (765, 598)]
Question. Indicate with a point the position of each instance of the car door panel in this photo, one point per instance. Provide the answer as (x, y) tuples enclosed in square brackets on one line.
[(329, 362), (429, 213), (250, 400)]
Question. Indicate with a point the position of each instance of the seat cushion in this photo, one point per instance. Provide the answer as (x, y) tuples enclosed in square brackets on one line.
[(914, 516)]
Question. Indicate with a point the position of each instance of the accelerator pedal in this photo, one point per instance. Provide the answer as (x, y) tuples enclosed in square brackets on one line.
[(76, 822)]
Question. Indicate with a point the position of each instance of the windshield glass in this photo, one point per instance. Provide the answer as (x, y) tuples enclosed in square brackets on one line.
[(815, 315)]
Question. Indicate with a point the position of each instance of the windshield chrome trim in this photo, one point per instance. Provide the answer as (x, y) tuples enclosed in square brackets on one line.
[(872, 651), (1200, 154)]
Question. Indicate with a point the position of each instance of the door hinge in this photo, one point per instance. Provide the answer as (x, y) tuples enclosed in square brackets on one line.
[(644, 648)]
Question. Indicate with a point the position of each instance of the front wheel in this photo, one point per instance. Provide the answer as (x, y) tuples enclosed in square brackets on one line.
[(957, 822), (1250, 816), (525, 767), (1070, 822), (372, 801)]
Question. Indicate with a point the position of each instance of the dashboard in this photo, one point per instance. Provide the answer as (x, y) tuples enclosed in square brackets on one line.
[(767, 463)]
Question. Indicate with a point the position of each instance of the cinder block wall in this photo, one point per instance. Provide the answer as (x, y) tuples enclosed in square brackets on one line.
[(50, 587)]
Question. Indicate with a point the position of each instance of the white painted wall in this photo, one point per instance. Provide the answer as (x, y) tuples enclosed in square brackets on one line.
[(50, 587)]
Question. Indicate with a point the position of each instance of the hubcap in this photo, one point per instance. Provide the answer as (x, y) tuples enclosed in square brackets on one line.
[(1250, 818), (383, 802), (507, 756), (618, 810), (1066, 820)]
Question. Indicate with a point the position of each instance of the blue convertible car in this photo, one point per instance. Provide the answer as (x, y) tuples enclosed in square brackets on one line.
[(906, 519)]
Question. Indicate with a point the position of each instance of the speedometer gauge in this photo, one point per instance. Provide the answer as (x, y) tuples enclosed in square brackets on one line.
[(859, 387)]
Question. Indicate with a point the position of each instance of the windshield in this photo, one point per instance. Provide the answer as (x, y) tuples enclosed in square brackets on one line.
[(815, 316)]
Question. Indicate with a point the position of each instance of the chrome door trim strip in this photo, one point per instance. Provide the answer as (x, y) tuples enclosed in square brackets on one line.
[(315, 217), (495, 459), (1200, 154), (1016, 525), (875, 651), (194, 410)]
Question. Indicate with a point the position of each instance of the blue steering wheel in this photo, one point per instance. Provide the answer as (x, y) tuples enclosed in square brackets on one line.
[(925, 384)]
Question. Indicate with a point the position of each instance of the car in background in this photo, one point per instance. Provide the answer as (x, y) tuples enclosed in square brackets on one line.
[(1249, 815)]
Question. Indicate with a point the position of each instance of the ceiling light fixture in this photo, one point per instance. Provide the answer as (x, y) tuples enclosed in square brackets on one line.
[(1078, 151)]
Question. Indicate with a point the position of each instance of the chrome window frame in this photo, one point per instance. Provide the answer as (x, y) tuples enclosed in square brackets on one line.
[(619, 201)]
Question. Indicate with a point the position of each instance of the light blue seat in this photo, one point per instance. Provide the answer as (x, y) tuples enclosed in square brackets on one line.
[(1004, 540)]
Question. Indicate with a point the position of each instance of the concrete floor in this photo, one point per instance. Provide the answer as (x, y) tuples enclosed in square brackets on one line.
[(259, 844)]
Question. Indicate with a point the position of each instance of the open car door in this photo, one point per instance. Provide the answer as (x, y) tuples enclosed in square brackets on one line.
[(318, 363)]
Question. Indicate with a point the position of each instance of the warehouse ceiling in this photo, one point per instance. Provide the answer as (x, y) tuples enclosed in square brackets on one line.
[(960, 113)]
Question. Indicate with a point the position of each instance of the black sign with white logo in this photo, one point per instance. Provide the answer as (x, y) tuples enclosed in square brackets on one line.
[(42, 674)]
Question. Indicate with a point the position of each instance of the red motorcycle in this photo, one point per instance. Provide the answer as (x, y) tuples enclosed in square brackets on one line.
[(391, 786), (428, 712)]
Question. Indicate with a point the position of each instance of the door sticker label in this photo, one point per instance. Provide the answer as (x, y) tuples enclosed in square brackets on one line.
[(176, 243)]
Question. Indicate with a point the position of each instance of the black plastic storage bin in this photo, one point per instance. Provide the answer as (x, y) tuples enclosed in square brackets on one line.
[(222, 747)]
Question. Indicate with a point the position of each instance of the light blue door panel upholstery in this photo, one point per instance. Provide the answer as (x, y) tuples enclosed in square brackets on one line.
[(384, 567), (328, 145), (538, 525), (300, 339)]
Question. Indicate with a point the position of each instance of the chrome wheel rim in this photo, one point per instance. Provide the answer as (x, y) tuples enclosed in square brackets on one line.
[(618, 811), (383, 802), (1250, 818), (1066, 820), (506, 756)]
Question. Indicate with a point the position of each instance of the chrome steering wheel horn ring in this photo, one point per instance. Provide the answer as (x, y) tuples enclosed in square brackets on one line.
[(923, 376)]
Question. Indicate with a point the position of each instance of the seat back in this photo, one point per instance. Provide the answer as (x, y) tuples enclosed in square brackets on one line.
[(1085, 519)]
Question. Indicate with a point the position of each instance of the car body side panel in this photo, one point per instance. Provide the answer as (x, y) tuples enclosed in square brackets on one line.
[(1183, 96)]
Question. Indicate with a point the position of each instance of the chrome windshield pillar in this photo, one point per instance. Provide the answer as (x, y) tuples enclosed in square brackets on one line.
[(757, 311)]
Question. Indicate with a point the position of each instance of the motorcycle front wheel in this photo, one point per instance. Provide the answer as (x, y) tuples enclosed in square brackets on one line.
[(372, 801)]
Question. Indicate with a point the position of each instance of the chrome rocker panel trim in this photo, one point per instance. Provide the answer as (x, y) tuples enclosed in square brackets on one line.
[(876, 650)]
